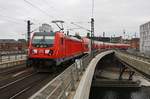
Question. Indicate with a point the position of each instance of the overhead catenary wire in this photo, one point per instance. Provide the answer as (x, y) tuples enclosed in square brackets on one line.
[(47, 2), (59, 16), (46, 12), (41, 10), (12, 19), (81, 27)]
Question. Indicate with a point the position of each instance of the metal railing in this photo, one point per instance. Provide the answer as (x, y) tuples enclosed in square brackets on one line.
[(12, 52), (67, 82), (12, 60), (8, 58)]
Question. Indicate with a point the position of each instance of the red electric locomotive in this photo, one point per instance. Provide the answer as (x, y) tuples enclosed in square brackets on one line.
[(53, 48), (50, 49)]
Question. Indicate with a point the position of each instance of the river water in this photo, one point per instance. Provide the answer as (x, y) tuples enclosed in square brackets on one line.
[(120, 93)]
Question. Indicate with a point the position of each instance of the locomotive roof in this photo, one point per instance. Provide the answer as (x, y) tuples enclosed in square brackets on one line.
[(44, 33)]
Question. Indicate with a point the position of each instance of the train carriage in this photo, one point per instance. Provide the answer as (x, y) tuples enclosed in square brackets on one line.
[(50, 49)]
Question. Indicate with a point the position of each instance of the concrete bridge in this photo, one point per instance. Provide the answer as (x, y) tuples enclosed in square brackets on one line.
[(75, 82)]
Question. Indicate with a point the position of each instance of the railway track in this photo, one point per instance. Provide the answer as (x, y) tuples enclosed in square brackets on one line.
[(21, 83), (15, 88), (10, 70)]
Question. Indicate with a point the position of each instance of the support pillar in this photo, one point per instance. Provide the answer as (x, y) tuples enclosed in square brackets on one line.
[(121, 72)]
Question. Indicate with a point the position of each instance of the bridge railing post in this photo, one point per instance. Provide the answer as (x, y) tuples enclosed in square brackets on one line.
[(72, 80), (83, 64), (0, 57), (8, 57), (63, 88), (16, 57), (21, 56), (77, 72)]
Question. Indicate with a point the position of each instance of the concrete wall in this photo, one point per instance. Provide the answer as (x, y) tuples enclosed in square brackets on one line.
[(83, 89), (145, 38)]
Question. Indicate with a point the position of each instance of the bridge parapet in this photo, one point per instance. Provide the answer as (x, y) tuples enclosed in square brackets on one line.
[(82, 92), (66, 85), (12, 60)]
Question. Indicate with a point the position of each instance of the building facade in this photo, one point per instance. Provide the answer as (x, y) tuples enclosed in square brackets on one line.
[(12, 45), (45, 28), (145, 38), (134, 43)]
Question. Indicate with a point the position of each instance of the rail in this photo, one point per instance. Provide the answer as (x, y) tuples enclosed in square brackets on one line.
[(134, 55), (139, 63), (137, 53), (65, 84)]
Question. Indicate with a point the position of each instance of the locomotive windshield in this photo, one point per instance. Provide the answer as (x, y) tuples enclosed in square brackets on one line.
[(43, 40)]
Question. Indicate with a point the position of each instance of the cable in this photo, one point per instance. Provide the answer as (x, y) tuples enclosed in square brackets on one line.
[(13, 21), (43, 11), (81, 27), (46, 2), (12, 18), (38, 8), (55, 11), (51, 7)]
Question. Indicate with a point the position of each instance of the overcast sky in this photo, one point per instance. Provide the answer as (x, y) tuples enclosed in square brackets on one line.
[(111, 16)]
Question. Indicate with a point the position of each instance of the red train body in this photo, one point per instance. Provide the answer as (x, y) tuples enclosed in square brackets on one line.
[(55, 48)]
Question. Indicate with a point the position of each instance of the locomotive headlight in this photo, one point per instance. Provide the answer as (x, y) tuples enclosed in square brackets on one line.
[(47, 51), (34, 51)]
